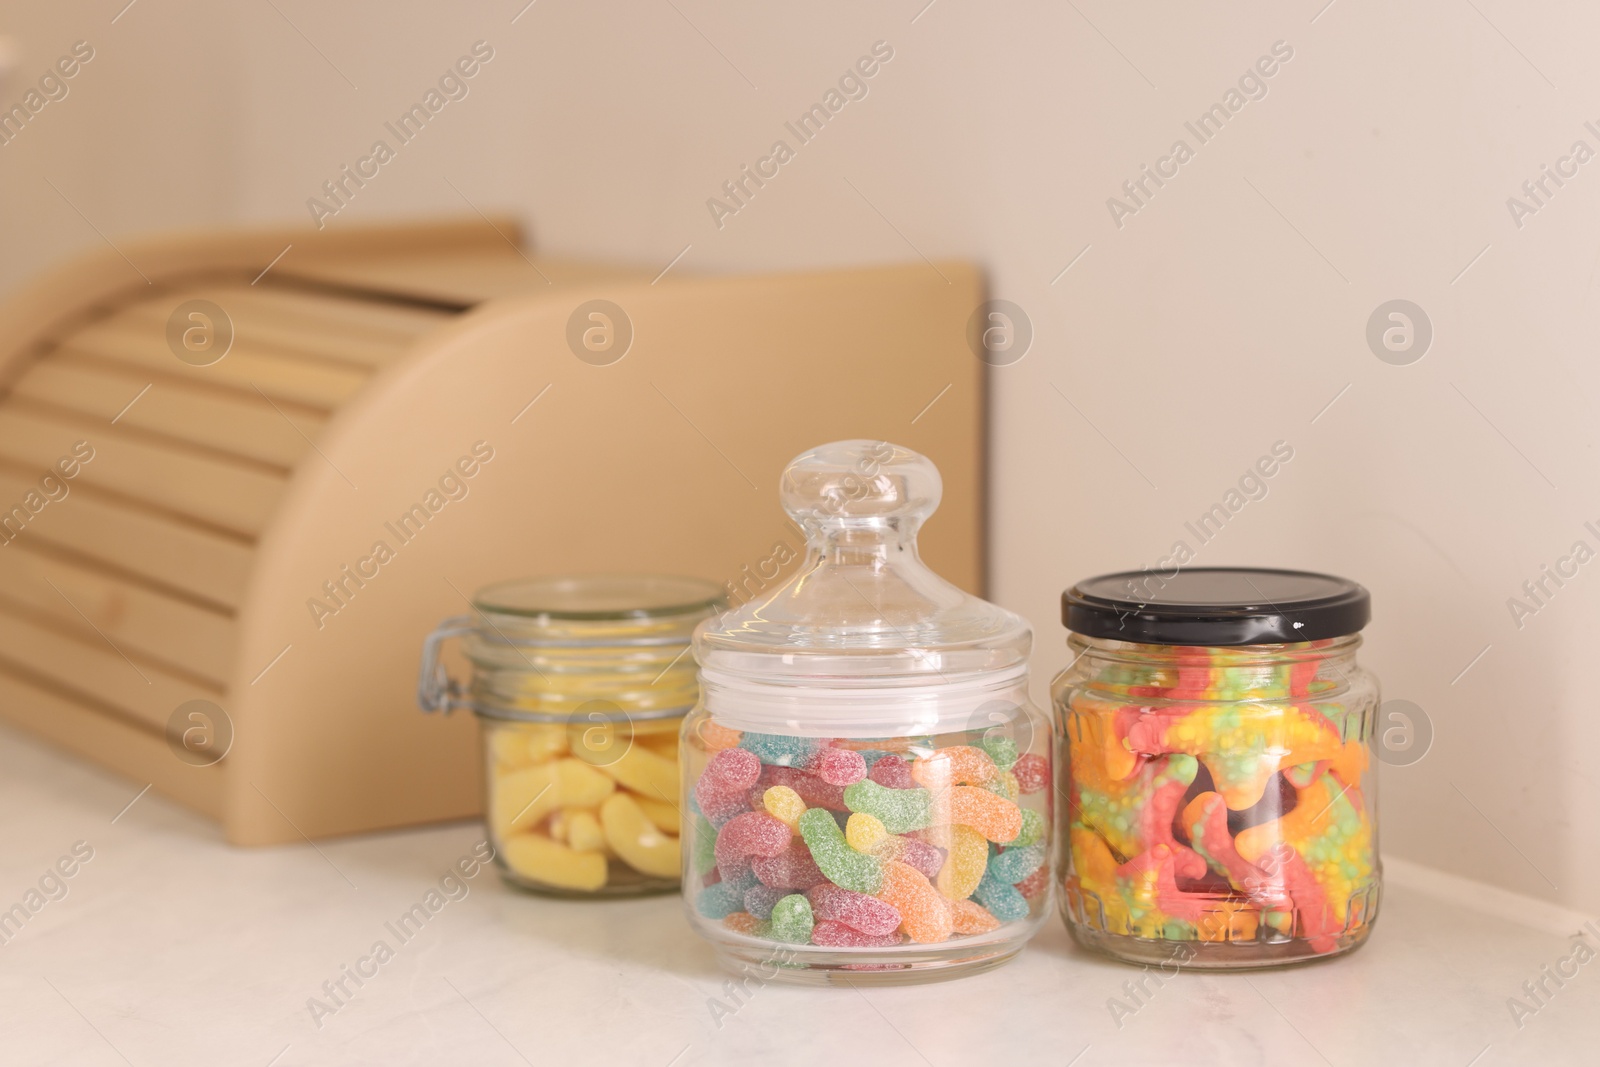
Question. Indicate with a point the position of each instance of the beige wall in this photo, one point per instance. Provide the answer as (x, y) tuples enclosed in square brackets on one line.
[(1222, 317)]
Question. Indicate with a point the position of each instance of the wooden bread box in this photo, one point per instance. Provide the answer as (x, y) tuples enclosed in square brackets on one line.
[(405, 414)]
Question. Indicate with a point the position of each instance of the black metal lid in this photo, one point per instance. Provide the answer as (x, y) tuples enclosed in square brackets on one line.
[(1216, 606)]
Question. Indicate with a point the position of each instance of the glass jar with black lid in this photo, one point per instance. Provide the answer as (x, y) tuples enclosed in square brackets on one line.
[(1216, 742)]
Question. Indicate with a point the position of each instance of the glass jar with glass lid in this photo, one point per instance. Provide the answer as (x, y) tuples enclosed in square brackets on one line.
[(579, 684), (866, 782)]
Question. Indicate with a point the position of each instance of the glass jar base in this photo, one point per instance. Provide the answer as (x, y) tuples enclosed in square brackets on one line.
[(762, 961), (1214, 955), (635, 886)]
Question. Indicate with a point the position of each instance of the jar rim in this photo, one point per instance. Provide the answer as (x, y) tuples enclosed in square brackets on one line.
[(1221, 607), (600, 597)]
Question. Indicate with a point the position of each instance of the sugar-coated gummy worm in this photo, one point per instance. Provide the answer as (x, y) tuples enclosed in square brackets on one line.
[(843, 865)]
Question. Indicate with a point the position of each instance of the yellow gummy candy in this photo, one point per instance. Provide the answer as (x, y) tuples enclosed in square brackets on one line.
[(865, 832), (964, 866), (644, 772), (580, 785), (637, 840), (519, 799), (663, 814), (544, 741), (539, 859), (525, 744), (784, 803), (663, 745), (583, 830)]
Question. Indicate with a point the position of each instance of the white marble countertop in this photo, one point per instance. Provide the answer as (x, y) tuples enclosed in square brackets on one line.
[(171, 948)]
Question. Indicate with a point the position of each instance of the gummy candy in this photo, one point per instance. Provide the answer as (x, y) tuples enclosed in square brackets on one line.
[(723, 787), (892, 772), (743, 922), (1032, 829), (919, 854), (1035, 884), (970, 917), (1135, 814), (838, 766), (759, 899), (955, 765), (865, 832), (636, 839), (1033, 773), (899, 810), (791, 919), (721, 899), (833, 934), (843, 865), (1329, 832), (782, 750), (813, 790), (793, 868), (1242, 746), (1015, 864), (1002, 750), (995, 817), (924, 913), (716, 736), (784, 804), (1004, 901), (869, 915), (1205, 819), (704, 858), (965, 865), (755, 833)]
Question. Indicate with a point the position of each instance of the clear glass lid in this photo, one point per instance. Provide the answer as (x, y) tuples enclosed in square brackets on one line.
[(863, 606)]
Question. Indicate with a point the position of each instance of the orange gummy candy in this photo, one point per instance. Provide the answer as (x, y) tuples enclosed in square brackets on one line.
[(995, 817), (743, 922), (970, 917), (717, 737), (956, 765), (924, 915)]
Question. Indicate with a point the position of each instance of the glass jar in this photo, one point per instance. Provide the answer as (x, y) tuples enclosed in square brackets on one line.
[(580, 684), (1216, 762), (866, 784)]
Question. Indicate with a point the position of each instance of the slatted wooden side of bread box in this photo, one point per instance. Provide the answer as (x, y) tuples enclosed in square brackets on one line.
[(172, 532)]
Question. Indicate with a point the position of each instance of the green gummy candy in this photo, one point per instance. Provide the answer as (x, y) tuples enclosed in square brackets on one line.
[(1002, 750), (705, 845), (900, 810), (1032, 829), (843, 865), (791, 919)]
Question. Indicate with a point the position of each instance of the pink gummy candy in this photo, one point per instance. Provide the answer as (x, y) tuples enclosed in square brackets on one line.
[(924, 857), (723, 784), (1033, 773), (892, 772), (1314, 916), (793, 868), (1156, 824), (755, 833), (1036, 883), (831, 933), (862, 913), (838, 766), (812, 789)]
